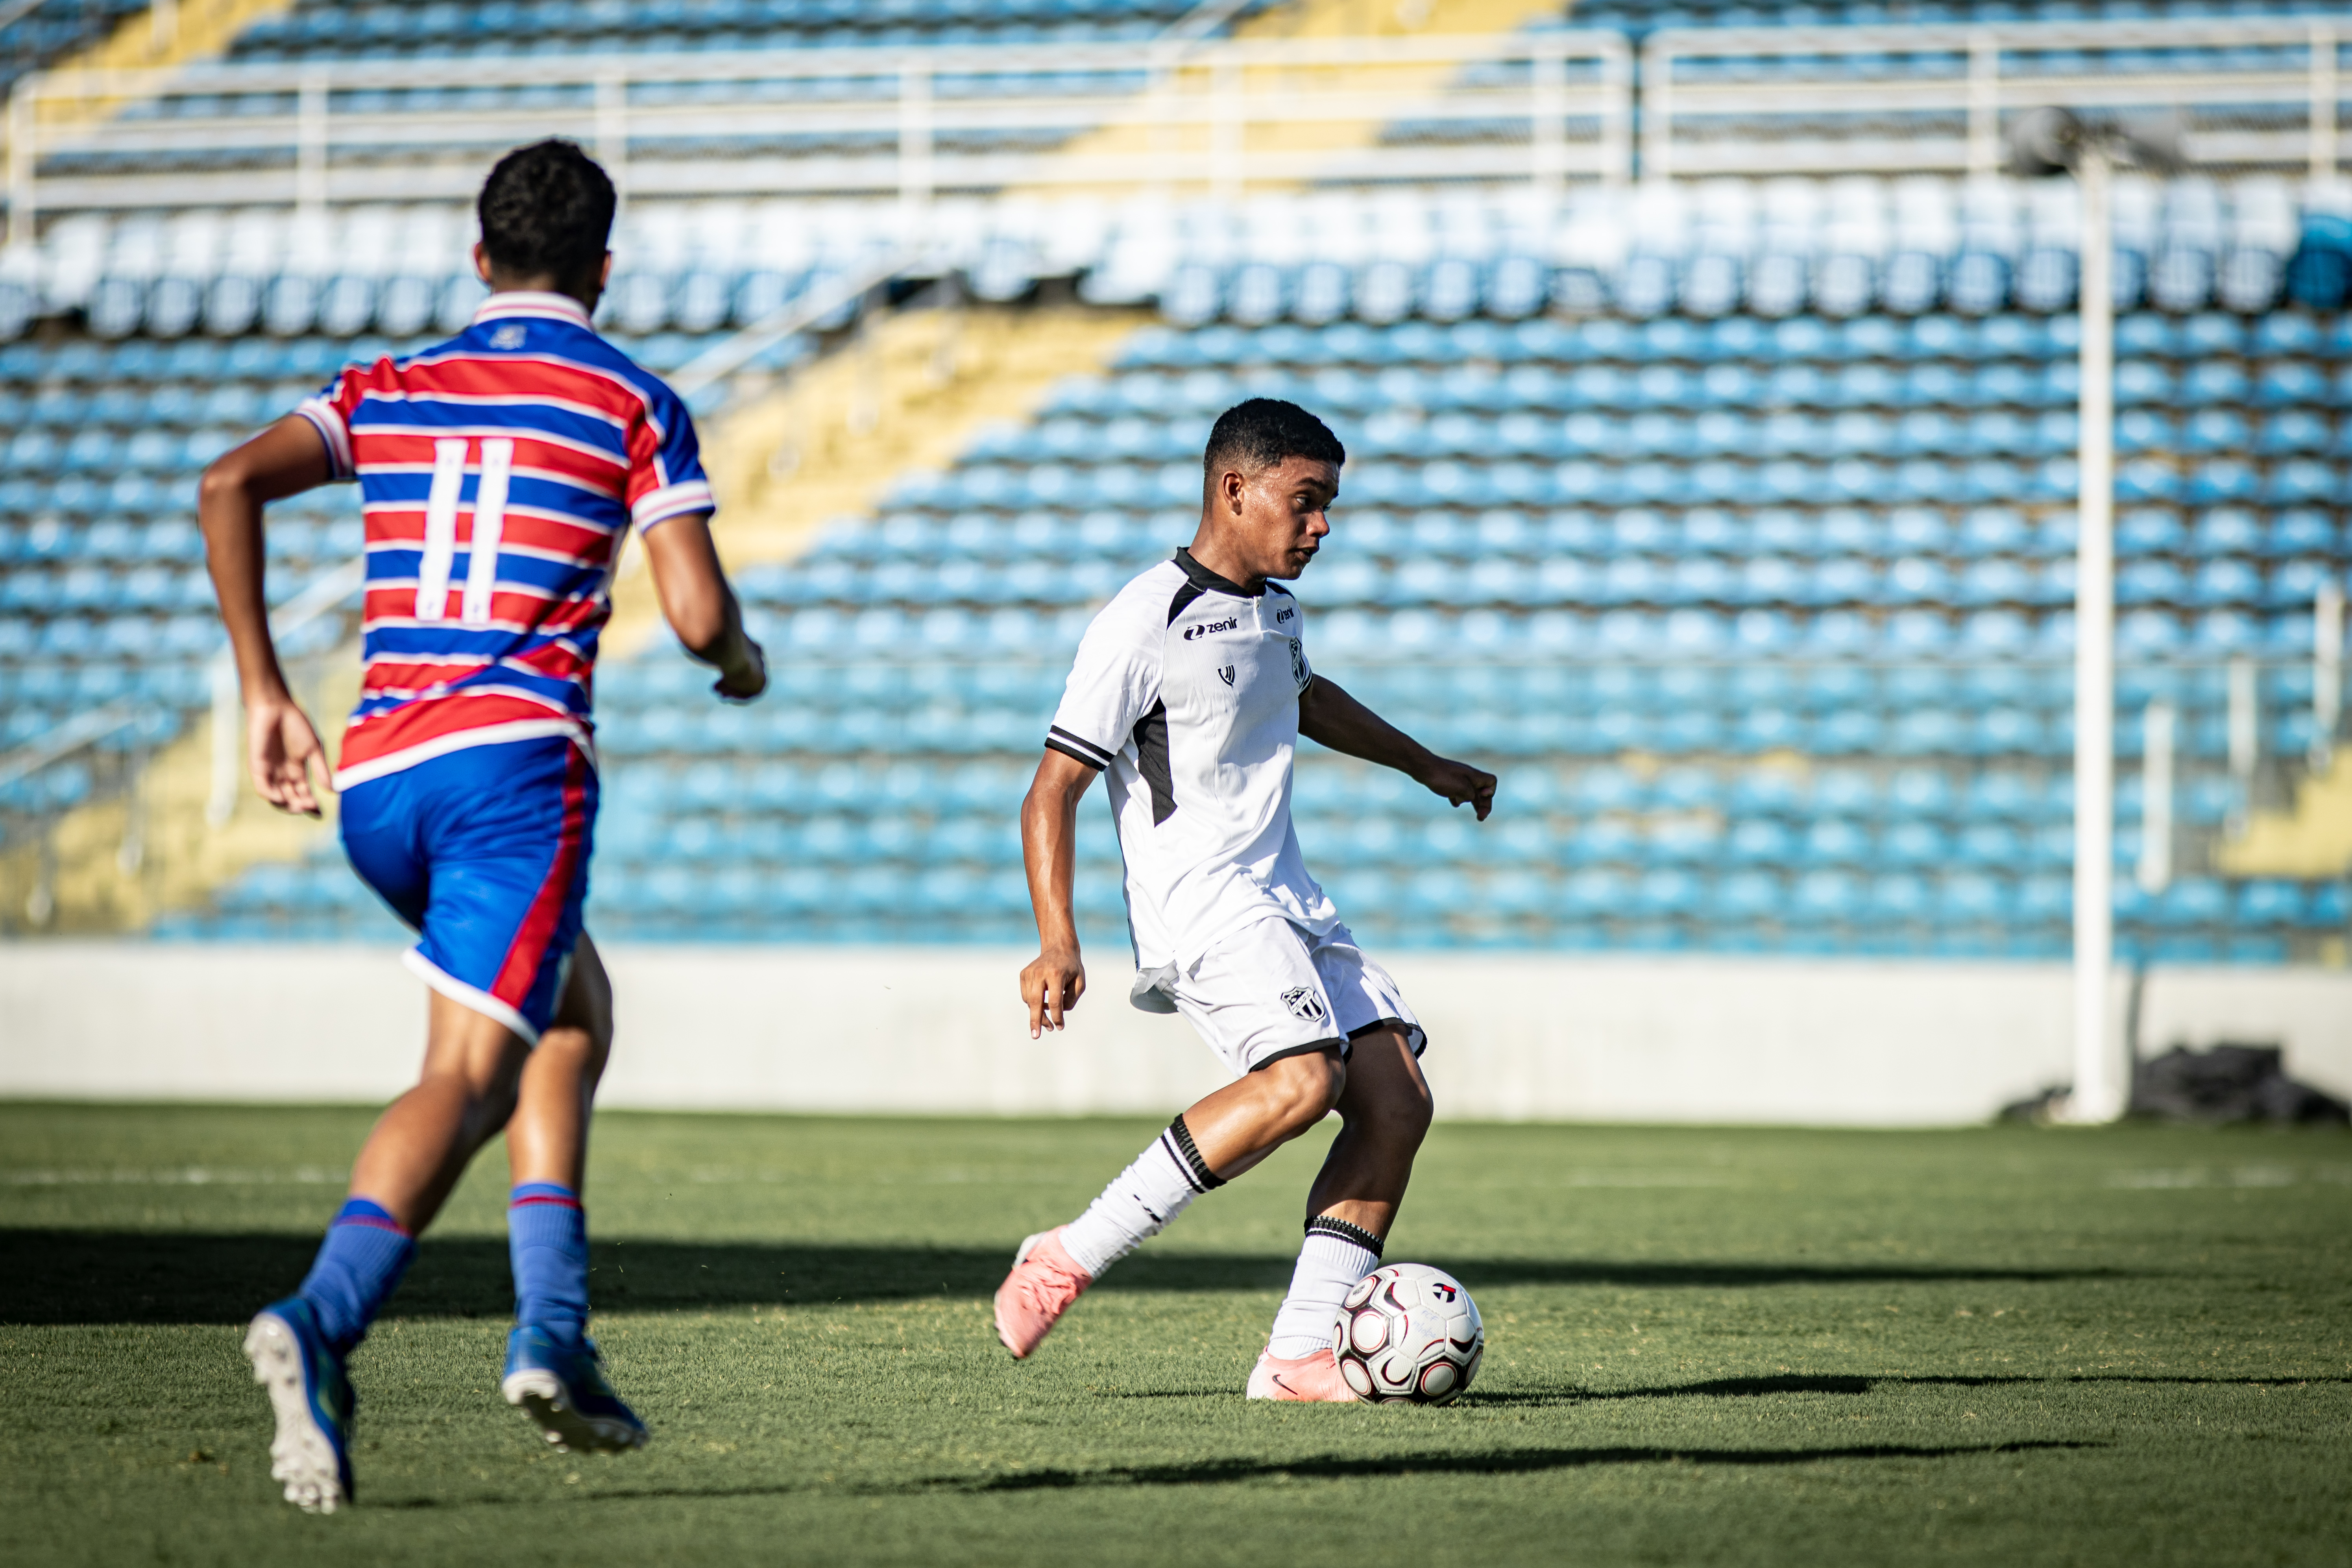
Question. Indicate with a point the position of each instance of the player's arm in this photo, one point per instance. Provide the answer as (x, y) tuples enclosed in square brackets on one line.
[(1329, 717), (283, 461), (701, 607), (1056, 978)]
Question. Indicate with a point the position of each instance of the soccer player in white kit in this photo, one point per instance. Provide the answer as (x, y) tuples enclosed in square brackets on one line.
[(1191, 690)]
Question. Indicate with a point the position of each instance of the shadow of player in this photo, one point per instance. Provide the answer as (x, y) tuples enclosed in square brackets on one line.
[(126, 1277), (1804, 1382)]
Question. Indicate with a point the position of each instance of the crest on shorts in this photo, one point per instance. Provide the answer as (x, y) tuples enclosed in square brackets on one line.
[(1304, 1001), (1226, 673)]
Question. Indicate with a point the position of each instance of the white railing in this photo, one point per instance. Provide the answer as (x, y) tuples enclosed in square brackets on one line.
[(1971, 76), (1221, 115), (1179, 112)]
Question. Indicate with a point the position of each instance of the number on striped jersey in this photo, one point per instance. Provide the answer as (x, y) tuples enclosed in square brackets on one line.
[(441, 503)]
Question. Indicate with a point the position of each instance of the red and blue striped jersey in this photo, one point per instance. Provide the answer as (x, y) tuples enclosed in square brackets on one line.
[(499, 472)]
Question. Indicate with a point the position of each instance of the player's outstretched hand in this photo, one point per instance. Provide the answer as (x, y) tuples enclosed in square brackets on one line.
[(280, 748), (1052, 985), (746, 679), (1460, 784)]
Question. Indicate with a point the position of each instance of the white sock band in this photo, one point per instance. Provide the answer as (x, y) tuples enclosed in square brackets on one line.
[(1330, 1262), (1140, 1202)]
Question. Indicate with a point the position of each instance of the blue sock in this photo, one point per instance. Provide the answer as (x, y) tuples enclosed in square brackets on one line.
[(547, 1235), (359, 1266)]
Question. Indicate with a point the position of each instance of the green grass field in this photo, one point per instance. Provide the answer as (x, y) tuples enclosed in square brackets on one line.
[(1705, 1346)]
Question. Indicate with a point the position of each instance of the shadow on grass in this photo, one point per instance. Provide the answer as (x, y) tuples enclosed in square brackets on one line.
[(1800, 1383), (128, 1276), (1510, 1461), (1310, 1467)]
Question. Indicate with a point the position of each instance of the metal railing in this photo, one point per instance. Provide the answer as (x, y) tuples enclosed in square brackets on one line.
[(1176, 113), (2254, 92), (1221, 115)]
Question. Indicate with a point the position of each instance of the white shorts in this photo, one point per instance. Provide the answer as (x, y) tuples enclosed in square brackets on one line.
[(1271, 990)]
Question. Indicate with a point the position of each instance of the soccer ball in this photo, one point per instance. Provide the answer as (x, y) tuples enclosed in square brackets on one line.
[(1408, 1334)]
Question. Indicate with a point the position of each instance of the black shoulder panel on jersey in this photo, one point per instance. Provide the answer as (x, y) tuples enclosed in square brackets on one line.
[(1182, 600), (1201, 577), (1151, 761)]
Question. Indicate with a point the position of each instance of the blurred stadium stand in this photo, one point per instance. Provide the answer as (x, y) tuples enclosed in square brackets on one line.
[(37, 33), (1729, 519)]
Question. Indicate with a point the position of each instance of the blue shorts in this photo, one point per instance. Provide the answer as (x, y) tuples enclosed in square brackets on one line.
[(484, 851)]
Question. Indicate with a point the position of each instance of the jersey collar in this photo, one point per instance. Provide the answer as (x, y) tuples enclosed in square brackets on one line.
[(528, 302), (1203, 578)]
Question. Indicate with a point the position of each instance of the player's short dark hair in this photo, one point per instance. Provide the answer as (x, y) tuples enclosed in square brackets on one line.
[(547, 209), (1259, 432)]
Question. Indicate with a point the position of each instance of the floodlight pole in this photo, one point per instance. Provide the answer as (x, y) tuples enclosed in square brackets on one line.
[(2100, 1089)]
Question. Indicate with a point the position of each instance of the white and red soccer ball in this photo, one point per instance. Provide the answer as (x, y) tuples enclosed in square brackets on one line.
[(1408, 1334)]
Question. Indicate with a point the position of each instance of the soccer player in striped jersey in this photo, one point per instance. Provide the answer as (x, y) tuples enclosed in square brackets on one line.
[(500, 473)]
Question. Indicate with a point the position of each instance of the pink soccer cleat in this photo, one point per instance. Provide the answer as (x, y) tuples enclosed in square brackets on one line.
[(1046, 1279), (1307, 1379)]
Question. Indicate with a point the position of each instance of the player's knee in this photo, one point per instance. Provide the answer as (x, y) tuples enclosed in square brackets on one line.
[(481, 1097), (1397, 1118), (1305, 1086), (586, 1004), (1408, 1111)]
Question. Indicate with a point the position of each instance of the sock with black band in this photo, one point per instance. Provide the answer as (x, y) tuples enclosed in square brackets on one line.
[(1333, 1258), (1141, 1201), (547, 1239), (358, 1267)]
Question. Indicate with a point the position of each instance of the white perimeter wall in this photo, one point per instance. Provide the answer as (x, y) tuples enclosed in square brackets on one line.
[(1862, 1043)]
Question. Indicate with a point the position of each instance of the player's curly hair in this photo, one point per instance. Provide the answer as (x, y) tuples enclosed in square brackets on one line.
[(547, 209), (1259, 432)]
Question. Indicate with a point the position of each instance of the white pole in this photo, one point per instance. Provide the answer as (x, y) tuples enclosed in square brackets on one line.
[(23, 162), (2156, 735), (1616, 112), (2322, 104), (1984, 104), (2098, 1072), (2326, 672), (310, 142), (2245, 738), (612, 131), (1657, 101), (914, 154), (1548, 130), (1226, 131), (229, 739)]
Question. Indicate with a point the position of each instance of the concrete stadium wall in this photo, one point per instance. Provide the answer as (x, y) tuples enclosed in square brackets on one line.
[(933, 1030)]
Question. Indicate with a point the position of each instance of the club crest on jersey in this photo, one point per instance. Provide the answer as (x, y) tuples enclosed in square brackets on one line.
[(1304, 1002), (1226, 673), (509, 336)]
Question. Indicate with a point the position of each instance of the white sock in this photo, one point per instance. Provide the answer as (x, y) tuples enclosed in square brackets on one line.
[(1336, 1255), (1141, 1201)]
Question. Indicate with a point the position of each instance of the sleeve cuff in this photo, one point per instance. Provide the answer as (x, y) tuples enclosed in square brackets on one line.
[(671, 501), (1060, 740), (337, 437)]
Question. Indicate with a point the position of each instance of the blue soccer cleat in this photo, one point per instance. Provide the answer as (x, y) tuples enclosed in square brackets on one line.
[(311, 1453), (563, 1390)]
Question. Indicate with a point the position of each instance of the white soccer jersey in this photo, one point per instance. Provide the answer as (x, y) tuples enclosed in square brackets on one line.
[(1185, 692)]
